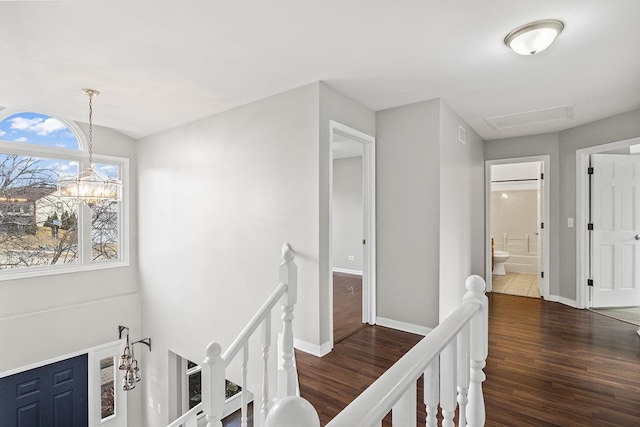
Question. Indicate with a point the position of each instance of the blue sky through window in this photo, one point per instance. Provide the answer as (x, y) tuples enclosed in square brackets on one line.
[(39, 129)]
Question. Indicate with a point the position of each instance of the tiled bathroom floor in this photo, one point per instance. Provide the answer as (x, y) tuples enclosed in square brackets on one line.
[(521, 284)]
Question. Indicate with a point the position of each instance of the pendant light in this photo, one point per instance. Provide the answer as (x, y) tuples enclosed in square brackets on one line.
[(88, 186)]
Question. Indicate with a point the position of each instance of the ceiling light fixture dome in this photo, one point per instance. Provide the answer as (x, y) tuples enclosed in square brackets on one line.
[(534, 37)]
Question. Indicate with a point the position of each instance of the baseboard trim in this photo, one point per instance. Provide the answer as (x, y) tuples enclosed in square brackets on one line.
[(565, 301), (346, 270), (402, 326), (312, 349)]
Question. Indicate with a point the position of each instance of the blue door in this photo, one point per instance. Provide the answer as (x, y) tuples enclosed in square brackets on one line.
[(53, 395)]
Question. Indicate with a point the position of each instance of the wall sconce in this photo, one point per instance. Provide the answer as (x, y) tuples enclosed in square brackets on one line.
[(128, 360)]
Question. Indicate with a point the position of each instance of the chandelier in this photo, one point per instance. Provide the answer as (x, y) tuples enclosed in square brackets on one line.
[(88, 186)]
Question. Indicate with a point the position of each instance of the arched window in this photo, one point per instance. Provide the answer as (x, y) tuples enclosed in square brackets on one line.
[(38, 129), (41, 233)]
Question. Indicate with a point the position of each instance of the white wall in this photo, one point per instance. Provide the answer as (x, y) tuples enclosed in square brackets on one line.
[(218, 198), (347, 213), (461, 209), (47, 317), (344, 110), (408, 216)]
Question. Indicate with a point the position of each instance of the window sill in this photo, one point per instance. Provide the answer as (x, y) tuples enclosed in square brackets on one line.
[(27, 273)]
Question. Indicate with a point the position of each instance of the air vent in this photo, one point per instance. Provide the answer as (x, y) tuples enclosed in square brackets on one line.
[(530, 117)]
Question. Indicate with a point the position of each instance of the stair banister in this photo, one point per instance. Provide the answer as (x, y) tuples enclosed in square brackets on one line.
[(215, 364), (457, 346)]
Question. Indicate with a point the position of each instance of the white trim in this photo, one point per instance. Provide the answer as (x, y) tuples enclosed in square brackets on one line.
[(369, 222), (347, 271), (95, 411), (66, 307), (312, 349), (546, 167), (402, 326), (582, 215)]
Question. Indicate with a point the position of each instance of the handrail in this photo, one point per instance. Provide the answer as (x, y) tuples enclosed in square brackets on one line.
[(254, 323), (451, 357), (190, 414), (377, 400), (215, 365)]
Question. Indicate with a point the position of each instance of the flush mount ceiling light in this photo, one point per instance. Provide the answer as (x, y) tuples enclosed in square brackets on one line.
[(88, 186), (534, 37)]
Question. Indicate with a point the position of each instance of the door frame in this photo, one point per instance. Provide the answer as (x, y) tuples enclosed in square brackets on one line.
[(583, 252), (368, 221), (94, 354), (546, 162)]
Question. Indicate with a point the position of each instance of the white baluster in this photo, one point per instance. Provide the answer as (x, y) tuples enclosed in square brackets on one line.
[(192, 422), (266, 344), (213, 385), (404, 411), (478, 349), (448, 383), (288, 275), (244, 393), (463, 374), (432, 392)]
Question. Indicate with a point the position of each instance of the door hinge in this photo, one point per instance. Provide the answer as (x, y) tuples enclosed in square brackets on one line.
[(589, 282), (364, 242), (542, 225), (590, 170), (541, 176), (542, 274), (590, 226)]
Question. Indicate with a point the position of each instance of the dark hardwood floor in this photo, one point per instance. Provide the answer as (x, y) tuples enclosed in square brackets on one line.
[(548, 365), (347, 305), (552, 365)]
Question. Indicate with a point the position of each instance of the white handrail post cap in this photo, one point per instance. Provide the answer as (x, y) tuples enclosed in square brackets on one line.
[(292, 411), (475, 284)]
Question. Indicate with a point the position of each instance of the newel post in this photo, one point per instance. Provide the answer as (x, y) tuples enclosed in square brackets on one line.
[(213, 385), (289, 276), (478, 349)]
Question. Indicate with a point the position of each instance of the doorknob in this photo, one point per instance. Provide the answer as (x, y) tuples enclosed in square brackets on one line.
[(637, 237)]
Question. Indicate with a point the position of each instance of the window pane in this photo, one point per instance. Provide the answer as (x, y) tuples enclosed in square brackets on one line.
[(39, 129), (35, 228), (105, 221), (195, 389), (107, 387)]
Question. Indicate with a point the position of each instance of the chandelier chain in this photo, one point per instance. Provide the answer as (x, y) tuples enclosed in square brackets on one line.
[(90, 129)]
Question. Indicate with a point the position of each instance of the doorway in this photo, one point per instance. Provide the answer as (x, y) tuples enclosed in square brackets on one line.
[(516, 208), (608, 217), (351, 231), (82, 388)]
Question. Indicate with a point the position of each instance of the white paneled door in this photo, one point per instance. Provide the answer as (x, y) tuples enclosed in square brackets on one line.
[(616, 230)]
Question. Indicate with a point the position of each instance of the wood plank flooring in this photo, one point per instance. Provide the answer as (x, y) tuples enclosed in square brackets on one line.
[(548, 365), (347, 305)]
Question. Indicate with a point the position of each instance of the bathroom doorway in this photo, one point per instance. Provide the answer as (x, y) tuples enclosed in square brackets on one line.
[(517, 206)]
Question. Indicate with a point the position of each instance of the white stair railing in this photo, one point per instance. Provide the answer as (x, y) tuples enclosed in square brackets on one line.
[(451, 357), (216, 363)]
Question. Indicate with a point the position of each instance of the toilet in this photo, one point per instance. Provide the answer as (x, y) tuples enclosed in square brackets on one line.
[(499, 258)]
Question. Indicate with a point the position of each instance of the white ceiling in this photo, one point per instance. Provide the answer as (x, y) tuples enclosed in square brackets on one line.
[(162, 63)]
